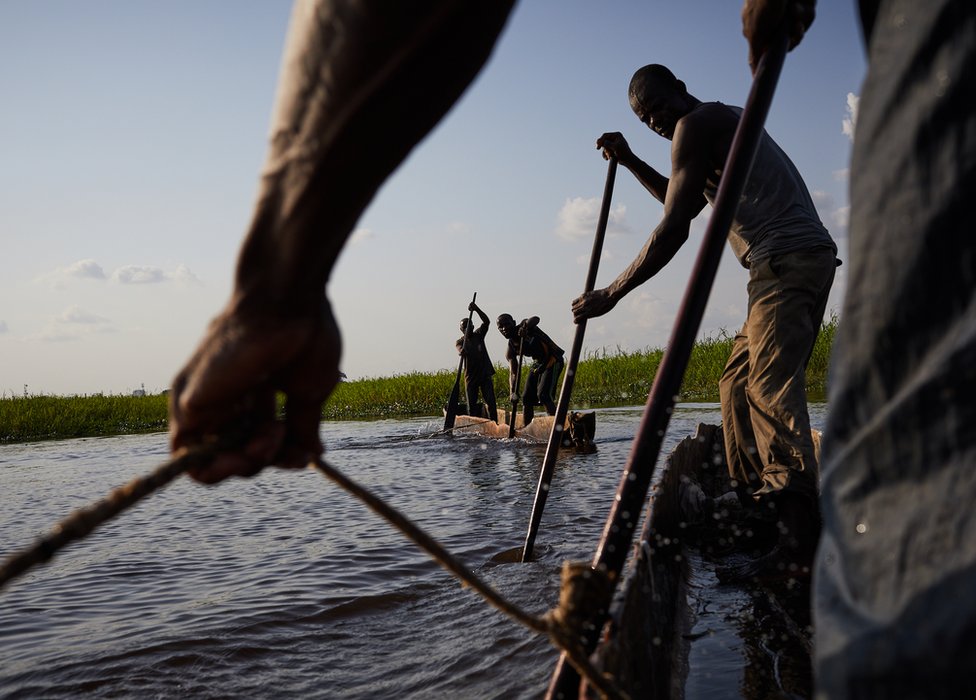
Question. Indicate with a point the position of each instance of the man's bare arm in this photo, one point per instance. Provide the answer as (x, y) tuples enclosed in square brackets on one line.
[(351, 67), (684, 200)]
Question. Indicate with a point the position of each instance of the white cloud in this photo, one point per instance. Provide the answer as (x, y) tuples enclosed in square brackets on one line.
[(76, 314), (648, 311), (579, 215), (360, 234), (72, 324), (842, 175), (139, 274), (3, 327), (82, 269), (822, 200), (86, 269), (841, 217), (184, 275), (850, 121), (127, 274)]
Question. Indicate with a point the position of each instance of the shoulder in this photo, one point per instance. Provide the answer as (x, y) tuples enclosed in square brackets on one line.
[(705, 121), (708, 129)]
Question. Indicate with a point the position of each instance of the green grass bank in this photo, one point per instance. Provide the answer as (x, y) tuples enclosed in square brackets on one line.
[(608, 377)]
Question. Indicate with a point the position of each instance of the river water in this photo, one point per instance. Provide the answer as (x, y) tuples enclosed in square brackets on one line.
[(283, 584)]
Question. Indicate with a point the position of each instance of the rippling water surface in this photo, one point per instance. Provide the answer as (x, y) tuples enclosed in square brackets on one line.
[(285, 585)]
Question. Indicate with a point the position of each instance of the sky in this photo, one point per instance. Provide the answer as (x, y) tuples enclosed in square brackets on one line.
[(133, 133)]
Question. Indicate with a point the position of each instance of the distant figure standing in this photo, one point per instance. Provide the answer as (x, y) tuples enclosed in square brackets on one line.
[(546, 367), (478, 369)]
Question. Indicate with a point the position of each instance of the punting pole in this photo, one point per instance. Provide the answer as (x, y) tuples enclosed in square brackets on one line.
[(452, 402), (611, 553), (562, 408), (518, 388)]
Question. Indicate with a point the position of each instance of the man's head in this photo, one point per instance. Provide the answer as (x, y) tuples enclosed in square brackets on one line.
[(464, 325), (506, 326), (659, 99)]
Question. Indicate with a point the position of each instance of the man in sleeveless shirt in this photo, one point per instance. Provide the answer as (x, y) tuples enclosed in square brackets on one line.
[(478, 370), (777, 236)]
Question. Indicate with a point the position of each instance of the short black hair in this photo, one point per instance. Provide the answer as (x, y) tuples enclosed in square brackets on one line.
[(654, 72)]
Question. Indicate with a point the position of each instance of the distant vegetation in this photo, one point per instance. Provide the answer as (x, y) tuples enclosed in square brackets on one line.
[(604, 378)]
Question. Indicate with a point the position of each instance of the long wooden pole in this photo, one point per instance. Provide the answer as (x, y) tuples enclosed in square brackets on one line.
[(452, 402), (518, 388), (611, 553), (562, 408)]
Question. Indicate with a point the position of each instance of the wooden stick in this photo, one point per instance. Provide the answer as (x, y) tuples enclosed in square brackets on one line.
[(556, 435), (625, 512), (452, 402)]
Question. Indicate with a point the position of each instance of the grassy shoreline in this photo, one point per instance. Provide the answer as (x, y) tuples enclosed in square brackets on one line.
[(604, 378)]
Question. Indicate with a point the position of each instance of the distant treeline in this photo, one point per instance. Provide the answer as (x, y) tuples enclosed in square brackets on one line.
[(611, 377)]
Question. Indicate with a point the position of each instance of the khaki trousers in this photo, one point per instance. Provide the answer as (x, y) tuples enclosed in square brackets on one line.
[(763, 388)]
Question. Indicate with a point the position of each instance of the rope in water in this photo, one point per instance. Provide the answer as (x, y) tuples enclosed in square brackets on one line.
[(582, 587)]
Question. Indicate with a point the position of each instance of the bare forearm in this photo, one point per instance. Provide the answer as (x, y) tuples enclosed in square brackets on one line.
[(350, 66), (653, 181), (656, 253)]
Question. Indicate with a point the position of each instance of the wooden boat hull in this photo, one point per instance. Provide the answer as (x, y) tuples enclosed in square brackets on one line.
[(671, 620), (578, 432)]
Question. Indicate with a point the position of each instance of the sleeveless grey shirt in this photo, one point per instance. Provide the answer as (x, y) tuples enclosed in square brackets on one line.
[(776, 214)]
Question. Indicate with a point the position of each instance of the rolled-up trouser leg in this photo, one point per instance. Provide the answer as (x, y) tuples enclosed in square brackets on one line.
[(787, 298), (740, 443)]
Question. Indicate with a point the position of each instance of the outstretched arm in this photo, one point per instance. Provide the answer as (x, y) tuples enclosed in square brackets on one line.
[(351, 67), (613, 144), (684, 200), (485, 323)]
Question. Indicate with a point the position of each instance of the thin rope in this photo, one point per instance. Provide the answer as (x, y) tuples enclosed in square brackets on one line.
[(81, 523), (555, 623)]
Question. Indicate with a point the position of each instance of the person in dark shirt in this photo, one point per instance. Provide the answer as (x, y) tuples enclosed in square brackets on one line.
[(895, 614), (478, 370), (546, 367)]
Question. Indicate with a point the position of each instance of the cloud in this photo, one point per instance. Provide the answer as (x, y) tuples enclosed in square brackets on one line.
[(53, 335), (649, 312), (127, 274), (842, 175), (833, 216), (86, 269), (578, 218), (361, 234), (139, 274), (76, 314), (841, 217), (3, 327), (82, 269), (72, 324), (849, 122), (824, 201), (184, 275)]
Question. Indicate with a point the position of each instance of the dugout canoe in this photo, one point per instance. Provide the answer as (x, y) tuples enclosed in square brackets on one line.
[(578, 432), (674, 630)]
